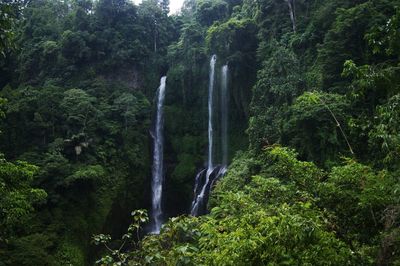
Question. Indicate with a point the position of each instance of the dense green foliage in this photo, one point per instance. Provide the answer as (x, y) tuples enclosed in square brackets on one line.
[(77, 109), (78, 82), (277, 210)]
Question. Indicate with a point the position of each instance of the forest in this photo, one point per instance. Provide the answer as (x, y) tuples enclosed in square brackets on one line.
[(232, 132)]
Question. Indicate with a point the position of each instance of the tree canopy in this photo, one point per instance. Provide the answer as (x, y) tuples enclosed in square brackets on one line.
[(313, 122)]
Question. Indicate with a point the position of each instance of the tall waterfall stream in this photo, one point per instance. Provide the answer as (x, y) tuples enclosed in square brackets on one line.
[(158, 171)]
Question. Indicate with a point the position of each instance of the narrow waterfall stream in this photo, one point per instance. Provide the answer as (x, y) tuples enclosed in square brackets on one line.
[(210, 114), (224, 114), (157, 170)]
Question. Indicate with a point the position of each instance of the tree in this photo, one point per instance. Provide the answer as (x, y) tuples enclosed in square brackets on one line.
[(18, 197), (127, 106), (383, 136), (209, 11), (118, 256), (80, 112), (278, 83), (9, 11), (74, 48), (315, 125), (164, 6)]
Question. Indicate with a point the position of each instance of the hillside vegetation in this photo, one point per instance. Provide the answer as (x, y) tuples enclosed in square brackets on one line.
[(314, 131)]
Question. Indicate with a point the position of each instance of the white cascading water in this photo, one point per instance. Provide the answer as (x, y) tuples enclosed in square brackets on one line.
[(224, 115), (158, 162), (210, 114), (198, 199)]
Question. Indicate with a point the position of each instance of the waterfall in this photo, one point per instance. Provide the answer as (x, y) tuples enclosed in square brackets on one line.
[(206, 178), (210, 114), (292, 12), (157, 171), (199, 196), (224, 115)]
